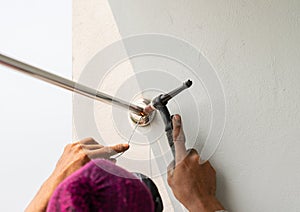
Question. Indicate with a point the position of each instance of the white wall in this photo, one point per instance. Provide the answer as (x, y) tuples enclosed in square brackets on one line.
[(35, 118), (254, 47)]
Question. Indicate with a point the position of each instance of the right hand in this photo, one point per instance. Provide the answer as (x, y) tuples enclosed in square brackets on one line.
[(192, 183)]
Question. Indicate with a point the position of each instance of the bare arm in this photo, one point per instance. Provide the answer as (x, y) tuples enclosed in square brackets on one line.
[(75, 156), (193, 184)]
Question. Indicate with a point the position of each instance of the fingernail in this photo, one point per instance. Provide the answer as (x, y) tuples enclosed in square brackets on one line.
[(126, 146), (176, 118)]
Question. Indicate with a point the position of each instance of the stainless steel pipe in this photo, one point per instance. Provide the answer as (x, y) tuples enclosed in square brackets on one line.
[(67, 84)]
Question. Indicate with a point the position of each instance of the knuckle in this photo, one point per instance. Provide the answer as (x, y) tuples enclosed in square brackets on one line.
[(74, 144), (83, 156), (76, 147), (68, 147), (90, 139), (178, 136), (87, 140)]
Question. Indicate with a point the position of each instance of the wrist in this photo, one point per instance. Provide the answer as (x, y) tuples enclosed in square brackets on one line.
[(207, 204), (41, 199)]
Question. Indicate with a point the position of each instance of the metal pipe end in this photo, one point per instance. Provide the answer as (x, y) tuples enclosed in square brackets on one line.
[(188, 83), (145, 118)]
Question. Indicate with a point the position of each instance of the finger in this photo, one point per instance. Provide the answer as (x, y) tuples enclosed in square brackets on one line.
[(178, 139), (120, 147), (92, 146), (88, 141), (148, 109), (108, 151)]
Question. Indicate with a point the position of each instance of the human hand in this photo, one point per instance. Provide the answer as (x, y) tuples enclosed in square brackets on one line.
[(192, 183), (75, 156)]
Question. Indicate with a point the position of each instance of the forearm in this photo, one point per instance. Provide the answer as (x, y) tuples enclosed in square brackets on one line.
[(72, 159), (40, 201)]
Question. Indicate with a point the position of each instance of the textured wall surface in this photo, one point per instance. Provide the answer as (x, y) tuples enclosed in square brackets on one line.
[(254, 47)]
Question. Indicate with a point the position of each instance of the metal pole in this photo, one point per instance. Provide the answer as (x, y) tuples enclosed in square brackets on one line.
[(67, 84)]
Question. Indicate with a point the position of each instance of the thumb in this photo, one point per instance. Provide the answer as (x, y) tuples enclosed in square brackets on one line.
[(178, 139)]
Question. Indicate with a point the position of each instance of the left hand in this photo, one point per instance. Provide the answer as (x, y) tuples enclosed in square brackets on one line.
[(75, 156)]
